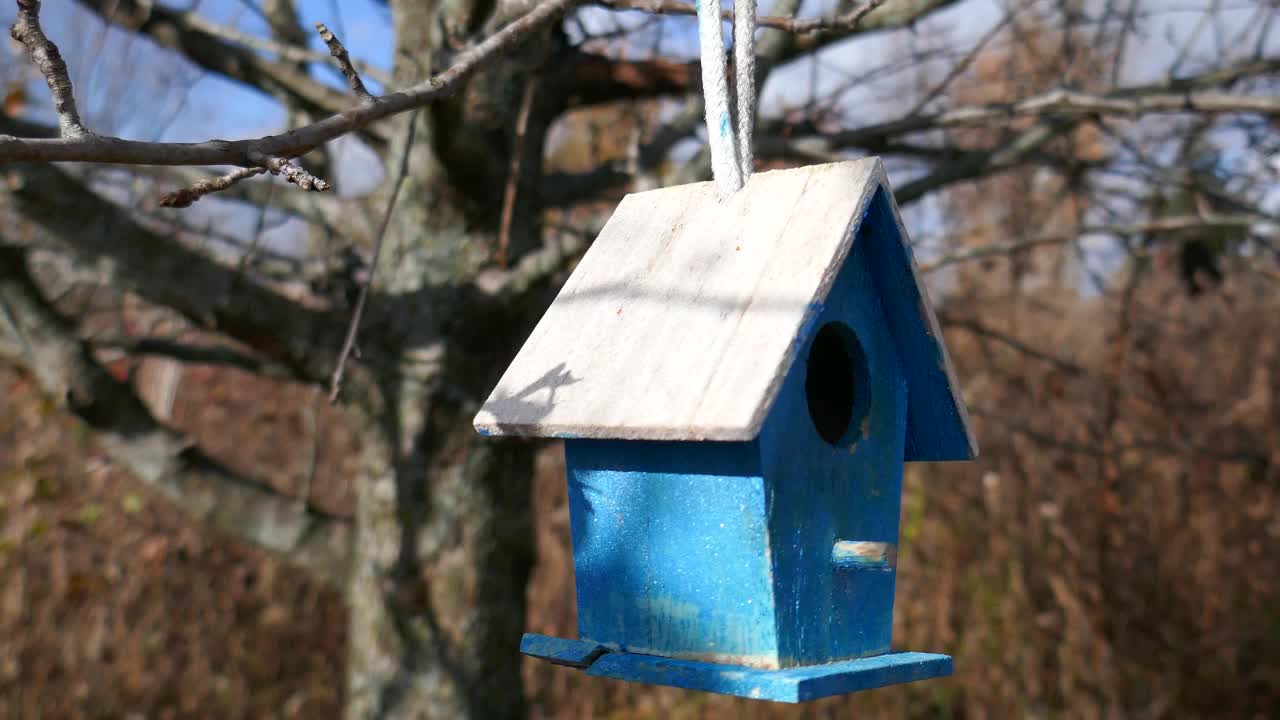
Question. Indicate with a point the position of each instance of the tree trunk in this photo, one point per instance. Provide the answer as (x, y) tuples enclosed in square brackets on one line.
[(444, 546)]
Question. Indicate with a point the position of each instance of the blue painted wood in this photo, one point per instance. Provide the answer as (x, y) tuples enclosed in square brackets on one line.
[(935, 428), (791, 685), (820, 493), (767, 568), (558, 651), (671, 550)]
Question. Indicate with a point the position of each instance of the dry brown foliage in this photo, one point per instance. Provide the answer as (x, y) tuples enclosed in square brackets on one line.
[(114, 604), (1112, 553)]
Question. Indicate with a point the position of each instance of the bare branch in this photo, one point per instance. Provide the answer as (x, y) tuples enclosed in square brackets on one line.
[(192, 354), (186, 196), (158, 456), (185, 33), (284, 51), (513, 178), (1165, 224), (339, 52), (349, 342), (1188, 94), (291, 172), (554, 257), (800, 26), (337, 214), (130, 255), (950, 320), (104, 149), (46, 57), (588, 78), (1184, 95)]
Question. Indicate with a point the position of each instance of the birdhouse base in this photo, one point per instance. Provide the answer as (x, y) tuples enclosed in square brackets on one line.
[(791, 685)]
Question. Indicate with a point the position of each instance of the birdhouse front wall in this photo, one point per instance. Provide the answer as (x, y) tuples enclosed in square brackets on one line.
[(773, 553), (671, 549), (832, 455)]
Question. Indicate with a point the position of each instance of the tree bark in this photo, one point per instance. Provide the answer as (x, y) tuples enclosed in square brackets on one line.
[(444, 546)]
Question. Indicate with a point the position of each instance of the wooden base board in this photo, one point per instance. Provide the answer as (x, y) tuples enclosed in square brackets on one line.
[(790, 685)]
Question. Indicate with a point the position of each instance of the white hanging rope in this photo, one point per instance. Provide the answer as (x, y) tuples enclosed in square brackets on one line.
[(744, 73), (731, 154)]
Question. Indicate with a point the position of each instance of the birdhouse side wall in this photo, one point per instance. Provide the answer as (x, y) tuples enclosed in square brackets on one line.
[(937, 426), (671, 549), (833, 505)]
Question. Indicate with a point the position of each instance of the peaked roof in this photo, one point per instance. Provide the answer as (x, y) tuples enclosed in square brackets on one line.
[(684, 316)]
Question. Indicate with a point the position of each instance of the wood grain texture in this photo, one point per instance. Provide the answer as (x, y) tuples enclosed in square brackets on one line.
[(671, 549), (823, 492), (685, 315), (790, 685)]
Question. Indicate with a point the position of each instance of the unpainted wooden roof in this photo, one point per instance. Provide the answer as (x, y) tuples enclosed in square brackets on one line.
[(681, 320)]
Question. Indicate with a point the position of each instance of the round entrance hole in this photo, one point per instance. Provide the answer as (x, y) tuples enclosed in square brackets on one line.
[(837, 383)]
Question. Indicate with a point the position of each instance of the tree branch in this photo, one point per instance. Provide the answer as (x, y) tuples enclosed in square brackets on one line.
[(1165, 224), (1183, 95), (1189, 94), (193, 39), (103, 149), (162, 458), (131, 256), (1008, 154), (362, 300), (845, 22), (590, 79), (595, 79), (285, 51), (46, 57), (192, 354), (339, 53), (186, 196)]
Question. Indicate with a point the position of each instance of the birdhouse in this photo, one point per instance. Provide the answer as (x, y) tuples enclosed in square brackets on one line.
[(738, 382)]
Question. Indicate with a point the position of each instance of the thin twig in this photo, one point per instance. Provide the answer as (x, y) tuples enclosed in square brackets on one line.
[(46, 57), (349, 344), (799, 26), (339, 53), (963, 65), (1165, 225), (282, 50), (513, 179), (291, 172), (113, 150), (184, 197)]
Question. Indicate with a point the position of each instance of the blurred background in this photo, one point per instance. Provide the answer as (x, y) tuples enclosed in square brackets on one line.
[(188, 528)]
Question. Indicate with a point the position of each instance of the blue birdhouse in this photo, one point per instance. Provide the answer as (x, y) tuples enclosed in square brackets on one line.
[(738, 382)]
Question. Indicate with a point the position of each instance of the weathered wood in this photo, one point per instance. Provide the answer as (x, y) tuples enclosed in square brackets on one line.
[(671, 549), (788, 325), (723, 551), (792, 685), (558, 651), (822, 492), (683, 318), (862, 555)]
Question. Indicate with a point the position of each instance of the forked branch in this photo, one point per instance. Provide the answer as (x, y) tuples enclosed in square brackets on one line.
[(248, 153), (339, 52), (46, 57)]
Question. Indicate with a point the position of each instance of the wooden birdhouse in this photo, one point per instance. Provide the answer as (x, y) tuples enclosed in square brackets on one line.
[(738, 382)]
